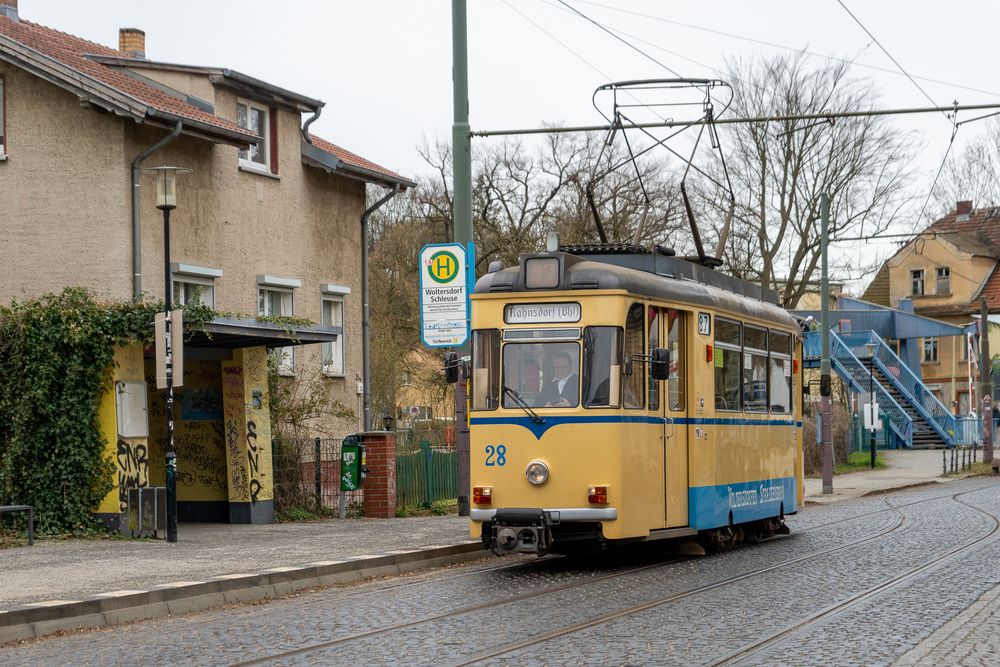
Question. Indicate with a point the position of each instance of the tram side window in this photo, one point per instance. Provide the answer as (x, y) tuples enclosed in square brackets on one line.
[(675, 343), (754, 369), (653, 337), (602, 361), (781, 372), (727, 360), (485, 369), (635, 381)]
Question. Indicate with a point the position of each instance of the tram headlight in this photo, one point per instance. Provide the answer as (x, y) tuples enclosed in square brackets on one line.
[(537, 473)]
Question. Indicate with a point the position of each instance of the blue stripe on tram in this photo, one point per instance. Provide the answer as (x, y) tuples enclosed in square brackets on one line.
[(549, 421), (709, 506)]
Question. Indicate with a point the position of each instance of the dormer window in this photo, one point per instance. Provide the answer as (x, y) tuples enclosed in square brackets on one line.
[(257, 119), (917, 282)]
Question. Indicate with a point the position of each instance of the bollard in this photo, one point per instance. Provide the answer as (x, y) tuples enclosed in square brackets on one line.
[(964, 452), (944, 462)]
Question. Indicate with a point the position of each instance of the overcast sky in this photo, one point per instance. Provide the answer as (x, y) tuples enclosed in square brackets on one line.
[(384, 66)]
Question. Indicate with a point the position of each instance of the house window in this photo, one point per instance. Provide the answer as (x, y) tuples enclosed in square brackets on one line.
[(930, 350), (3, 120), (917, 282), (190, 291), (333, 352), (275, 302), (194, 285), (943, 280), (255, 118)]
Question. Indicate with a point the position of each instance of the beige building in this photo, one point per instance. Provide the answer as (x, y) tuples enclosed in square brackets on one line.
[(945, 271), (268, 223)]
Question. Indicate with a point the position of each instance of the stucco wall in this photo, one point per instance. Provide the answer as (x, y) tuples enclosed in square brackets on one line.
[(63, 194), (967, 273), (187, 83), (66, 207)]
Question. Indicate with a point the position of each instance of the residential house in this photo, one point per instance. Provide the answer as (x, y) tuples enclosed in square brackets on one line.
[(946, 271), (268, 223)]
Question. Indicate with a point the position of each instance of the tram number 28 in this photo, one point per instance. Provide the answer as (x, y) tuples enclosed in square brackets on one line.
[(496, 456)]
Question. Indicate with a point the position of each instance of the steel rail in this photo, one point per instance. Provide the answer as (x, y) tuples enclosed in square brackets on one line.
[(732, 121), (568, 586), (611, 616), (864, 595)]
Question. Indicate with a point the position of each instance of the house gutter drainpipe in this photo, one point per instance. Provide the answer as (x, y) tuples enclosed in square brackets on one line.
[(365, 328), (136, 229), (306, 137)]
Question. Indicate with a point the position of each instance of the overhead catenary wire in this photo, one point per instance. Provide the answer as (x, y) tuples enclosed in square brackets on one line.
[(886, 52), (785, 47)]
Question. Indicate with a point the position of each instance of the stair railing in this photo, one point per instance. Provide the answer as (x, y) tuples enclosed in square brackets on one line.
[(909, 385), (854, 372)]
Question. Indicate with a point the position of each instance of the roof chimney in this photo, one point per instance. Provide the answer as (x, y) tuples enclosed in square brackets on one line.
[(963, 207), (130, 40), (8, 8)]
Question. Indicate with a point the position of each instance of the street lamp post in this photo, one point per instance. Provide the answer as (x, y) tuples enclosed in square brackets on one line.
[(166, 201), (871, 398)]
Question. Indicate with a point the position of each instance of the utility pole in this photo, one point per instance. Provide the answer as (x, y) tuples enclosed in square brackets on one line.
[(825, 409), (986, 384), (461, 220)]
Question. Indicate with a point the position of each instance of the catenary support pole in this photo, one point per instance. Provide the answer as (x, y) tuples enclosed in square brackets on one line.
[(461, 216), (986, 382), (825, 409)]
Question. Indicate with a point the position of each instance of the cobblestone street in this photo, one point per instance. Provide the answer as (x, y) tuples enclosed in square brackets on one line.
[(858, 582)]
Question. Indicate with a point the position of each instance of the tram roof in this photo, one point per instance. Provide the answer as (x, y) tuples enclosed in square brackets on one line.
[(650, 275)]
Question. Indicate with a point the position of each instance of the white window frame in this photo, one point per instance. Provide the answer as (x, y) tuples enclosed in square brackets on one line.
[(333, 352), (286, 362), (265, 148), (3, 120), (913, 282), (196, 276), (185, 286)]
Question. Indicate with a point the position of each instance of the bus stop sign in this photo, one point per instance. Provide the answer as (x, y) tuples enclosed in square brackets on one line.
[(444, 294)]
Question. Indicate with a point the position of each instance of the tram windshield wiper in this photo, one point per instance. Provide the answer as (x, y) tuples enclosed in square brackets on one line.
[(523, 404)]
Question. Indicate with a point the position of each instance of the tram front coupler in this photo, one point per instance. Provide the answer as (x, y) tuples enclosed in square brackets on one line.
[(517, 530)]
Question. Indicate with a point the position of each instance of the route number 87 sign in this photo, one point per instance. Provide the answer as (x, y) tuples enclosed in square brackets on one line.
[(444, 294)]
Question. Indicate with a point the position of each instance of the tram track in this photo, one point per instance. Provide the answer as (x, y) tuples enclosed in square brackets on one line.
[(319, 646), (867, 594)]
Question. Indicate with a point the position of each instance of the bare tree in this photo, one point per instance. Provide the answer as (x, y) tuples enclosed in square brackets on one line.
[(779, 170), (972, 174)]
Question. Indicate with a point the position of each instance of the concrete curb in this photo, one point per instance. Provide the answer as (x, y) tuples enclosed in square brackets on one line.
[(33, 620)]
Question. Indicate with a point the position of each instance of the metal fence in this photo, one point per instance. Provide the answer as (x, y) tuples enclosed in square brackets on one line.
[(425, 471), (307, 476)]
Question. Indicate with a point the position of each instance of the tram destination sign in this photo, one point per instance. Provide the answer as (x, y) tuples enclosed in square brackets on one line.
[(444, 294), (538, 313)]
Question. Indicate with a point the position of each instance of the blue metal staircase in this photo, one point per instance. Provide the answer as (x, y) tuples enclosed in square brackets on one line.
[(915, 415)]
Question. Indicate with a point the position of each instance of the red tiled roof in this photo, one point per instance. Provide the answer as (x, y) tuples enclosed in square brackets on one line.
[(352, 159), (70, 51)]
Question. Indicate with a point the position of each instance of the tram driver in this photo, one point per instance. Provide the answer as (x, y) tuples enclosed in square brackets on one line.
[(561, 390)]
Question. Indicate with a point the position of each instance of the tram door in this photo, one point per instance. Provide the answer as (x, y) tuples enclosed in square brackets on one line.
[(668, 400)]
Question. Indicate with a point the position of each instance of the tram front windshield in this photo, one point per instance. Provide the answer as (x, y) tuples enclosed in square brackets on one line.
[(543, 375)]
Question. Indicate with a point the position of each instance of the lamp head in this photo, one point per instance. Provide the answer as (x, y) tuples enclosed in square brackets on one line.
[(166, 185)]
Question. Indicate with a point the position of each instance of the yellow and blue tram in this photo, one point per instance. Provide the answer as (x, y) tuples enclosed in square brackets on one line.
[(620, 396)]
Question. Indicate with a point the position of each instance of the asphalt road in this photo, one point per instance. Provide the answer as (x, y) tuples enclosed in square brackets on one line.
[(908, 576)]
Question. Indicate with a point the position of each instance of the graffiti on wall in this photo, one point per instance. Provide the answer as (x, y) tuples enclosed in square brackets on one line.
[(133, 469)]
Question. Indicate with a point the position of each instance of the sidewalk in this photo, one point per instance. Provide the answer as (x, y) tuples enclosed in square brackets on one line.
[(60, 585), (904, 467)]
